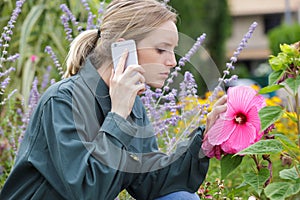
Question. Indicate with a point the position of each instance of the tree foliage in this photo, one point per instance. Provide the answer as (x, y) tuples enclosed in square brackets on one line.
[(284, 33), (206, 16)]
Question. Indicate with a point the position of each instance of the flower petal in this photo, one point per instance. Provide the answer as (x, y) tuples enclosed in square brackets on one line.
[(240, 98), (259, 101), (242, 137), (220, 131), (211, 150), (207, 147), (253, 118)]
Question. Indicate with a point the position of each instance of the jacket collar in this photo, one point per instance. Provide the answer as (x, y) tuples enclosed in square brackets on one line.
[(100, 90)]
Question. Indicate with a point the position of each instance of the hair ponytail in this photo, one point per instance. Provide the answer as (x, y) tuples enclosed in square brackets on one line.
[(80, 48)]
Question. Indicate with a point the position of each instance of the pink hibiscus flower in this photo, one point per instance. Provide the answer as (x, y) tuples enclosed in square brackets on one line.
[(238, 127)]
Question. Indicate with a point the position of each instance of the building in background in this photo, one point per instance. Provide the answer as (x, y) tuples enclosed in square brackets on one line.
[(268, 14)]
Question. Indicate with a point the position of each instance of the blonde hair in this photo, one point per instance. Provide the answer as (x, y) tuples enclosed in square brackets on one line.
[(128, 19)]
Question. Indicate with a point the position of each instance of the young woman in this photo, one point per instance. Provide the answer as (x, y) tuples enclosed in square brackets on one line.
[(90, 138)]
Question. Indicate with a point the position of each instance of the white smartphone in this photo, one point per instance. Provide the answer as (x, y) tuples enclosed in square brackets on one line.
[(118, 48)]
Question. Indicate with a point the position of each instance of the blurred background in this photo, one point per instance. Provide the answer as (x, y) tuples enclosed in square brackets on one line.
[(224, 21)]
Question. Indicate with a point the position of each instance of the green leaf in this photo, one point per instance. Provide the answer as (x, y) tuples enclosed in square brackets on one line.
[(293, 83), (237, 190), (57, 41), (288, 49), (27, 26), (229, 163), (292, 117), (257, 180), (269, 114), (270, 88), (290, 174), (262, 147), (276, 63), (282, 190), (275, 76), (289, 145), (27, 78)]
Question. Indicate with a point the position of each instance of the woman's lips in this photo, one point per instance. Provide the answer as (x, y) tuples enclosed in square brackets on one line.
[(166, 74)]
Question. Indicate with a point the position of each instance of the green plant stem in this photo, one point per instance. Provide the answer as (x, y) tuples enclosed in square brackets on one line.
[(298, 117), (297, 170), (255, 158), (186, 129)]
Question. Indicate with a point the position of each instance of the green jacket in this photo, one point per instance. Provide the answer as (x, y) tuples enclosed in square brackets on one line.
[(75, 148)]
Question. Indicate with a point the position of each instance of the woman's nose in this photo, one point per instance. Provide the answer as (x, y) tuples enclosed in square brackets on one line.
[(171, 61)]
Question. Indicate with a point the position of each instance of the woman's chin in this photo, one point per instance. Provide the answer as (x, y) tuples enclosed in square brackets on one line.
[(156, 85)]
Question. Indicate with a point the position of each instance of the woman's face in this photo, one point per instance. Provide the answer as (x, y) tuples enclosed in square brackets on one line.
[(156, 53)]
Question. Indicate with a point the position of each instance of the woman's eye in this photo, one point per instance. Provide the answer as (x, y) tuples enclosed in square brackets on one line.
[(160, 51)]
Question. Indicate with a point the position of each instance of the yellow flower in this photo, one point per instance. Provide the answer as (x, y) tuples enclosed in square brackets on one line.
[(274, 101), (255, 87)]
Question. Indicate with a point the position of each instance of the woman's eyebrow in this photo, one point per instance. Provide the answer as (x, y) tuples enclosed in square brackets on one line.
[(168, 44)]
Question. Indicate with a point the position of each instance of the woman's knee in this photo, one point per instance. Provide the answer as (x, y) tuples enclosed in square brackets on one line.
[(181, 195)]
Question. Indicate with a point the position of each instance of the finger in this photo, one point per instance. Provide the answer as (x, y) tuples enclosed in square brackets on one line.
[(121, 63), (141, 87), (132, 69), (112, 74), (134, 73), (221, 101), (214, 114), (138, 78), (141, 91), (220, 109)]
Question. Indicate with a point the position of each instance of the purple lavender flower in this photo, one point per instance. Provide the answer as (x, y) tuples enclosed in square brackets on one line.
[(46, 78), (91, 16), (6, 38), (232, 78), (68, 30), (13, 58), (8, 97), (4, 83), (7, 30), (49, 50), (68, 12), (33, 98), (188, 86), (243, 43), (11, 94), (233, 59), (100, 13), (214, 95), (86, 5), (5, 73), (157, 110), (65, 18), (90, 21), (149, 100), (192, 51), (182, 62)]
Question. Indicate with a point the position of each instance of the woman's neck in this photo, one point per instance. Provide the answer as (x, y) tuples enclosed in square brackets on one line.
[(105, 71)]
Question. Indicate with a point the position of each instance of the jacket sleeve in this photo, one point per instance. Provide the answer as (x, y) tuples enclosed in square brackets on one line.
[(82, 160), (183, 170)]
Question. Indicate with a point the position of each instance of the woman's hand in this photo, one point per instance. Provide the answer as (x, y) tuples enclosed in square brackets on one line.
[(125, 85), (219, 107)]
